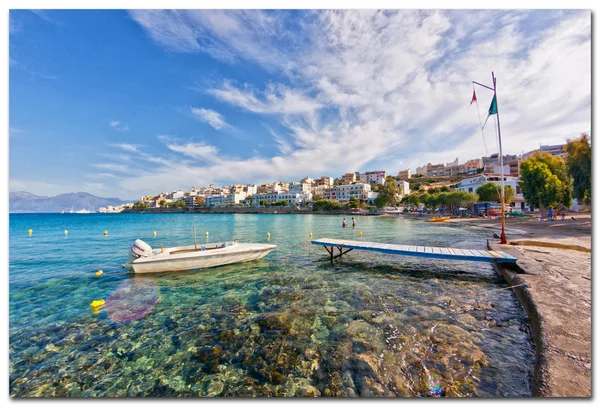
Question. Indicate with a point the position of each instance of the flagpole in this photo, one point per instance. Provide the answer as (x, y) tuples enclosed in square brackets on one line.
[(502, 234)]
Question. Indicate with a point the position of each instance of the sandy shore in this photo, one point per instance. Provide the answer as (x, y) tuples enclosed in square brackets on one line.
[(556, 265)]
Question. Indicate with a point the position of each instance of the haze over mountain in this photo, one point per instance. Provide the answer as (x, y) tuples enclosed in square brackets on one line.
[(25, 202)]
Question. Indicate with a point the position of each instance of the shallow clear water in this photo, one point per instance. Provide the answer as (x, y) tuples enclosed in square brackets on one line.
[(291, 324)]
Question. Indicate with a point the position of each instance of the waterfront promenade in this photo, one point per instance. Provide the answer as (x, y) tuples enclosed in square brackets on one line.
[(554, 259)]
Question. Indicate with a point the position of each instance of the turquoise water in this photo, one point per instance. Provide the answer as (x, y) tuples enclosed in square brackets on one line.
[(291, 324)]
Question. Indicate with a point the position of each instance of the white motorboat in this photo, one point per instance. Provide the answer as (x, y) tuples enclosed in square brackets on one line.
[(144, 259)]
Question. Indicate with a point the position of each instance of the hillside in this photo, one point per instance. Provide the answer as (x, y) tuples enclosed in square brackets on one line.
[(24, 202)]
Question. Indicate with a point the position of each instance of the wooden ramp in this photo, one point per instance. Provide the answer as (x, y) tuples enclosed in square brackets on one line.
[(345, 246)]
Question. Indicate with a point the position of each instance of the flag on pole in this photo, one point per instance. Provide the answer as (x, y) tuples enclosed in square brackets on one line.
[(493, 107), (492, 110), (474, 98)]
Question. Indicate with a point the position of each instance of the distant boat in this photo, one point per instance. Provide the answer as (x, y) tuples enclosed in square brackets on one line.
[(82, 211), (144, 259), (438, 219)]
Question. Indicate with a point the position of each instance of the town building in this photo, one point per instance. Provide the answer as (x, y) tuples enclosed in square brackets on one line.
[(361, 177), (471, 184), (343, 193), (349, 178), (291, 198), (555, 150), (324, 181), (512, 161), (404, 174), (472, 165), (300, 187), (250, 189), (402, 188), (421, 170), (375, 177)]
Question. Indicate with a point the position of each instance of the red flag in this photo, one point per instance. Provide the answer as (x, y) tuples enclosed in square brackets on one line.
[(474, 98)]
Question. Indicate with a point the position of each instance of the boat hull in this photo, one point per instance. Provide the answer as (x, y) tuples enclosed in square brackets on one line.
[(166, 262)]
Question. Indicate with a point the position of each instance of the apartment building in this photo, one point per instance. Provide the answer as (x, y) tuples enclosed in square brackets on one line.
[(404, 175), (343, 193), (349, 178)]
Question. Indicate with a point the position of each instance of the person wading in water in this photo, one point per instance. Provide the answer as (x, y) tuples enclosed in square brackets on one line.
[(344, 222), (353, 222)]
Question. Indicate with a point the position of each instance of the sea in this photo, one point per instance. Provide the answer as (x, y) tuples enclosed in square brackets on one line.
[(292, 324)]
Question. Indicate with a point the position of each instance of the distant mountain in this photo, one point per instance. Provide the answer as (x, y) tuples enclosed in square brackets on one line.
[(24, 202)]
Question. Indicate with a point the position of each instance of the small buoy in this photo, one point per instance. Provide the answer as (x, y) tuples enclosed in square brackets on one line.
[(30, 231), (268, 234), (360, 233), (66, 232), (154, 233), (310, 234), (207, 233), (105, 232), (99, 273), (97, 303)]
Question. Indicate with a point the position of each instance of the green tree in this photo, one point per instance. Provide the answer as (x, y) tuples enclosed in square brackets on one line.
[(382, 200), (545, 181), (199, 201), (317, 197), (491, 192), (445, 189), (264, 203), (579, 163), (353, 203)]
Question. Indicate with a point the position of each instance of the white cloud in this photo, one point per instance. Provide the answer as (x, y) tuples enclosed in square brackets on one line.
[(127, 147), (214, 119), (364, 89), (118, 126), (113, 167)]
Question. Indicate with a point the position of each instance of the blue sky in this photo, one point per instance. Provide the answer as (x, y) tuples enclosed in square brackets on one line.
[(122, 104)]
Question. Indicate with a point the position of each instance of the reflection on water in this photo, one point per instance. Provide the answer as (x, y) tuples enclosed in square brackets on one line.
[(291, 324)]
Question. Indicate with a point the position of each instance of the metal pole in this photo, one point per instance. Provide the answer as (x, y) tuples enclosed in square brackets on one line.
[(502, 234), (195, 247)]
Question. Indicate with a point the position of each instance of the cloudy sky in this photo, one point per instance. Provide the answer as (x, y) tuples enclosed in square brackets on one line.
[(121, 104)]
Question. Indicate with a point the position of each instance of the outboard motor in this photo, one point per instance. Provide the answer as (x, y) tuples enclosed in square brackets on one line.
[(138, 249)]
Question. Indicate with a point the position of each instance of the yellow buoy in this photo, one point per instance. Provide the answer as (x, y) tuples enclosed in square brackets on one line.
[(310, 234), (97, 303), (268, 234), (154, 233), (207, 233), (105, 232), (30, 231), (99, 273), (66, 232), (360, 233)]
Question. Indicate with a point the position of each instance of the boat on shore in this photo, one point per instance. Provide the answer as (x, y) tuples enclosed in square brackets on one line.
[(438, 219), (144, 259)]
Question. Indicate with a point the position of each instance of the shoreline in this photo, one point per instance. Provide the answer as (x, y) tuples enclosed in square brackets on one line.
[(554, 262)]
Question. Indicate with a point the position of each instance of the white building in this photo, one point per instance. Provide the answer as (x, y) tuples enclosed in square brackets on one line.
[(343, 193), (402, 188), (250, 189), (235, 198), (215, 200), (292, 198), (421, 170), (375, 177), (300, 187), (177, 195), (471, 184)]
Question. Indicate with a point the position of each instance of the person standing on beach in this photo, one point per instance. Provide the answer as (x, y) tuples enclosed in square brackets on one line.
[(344, 222), (353, 222)]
